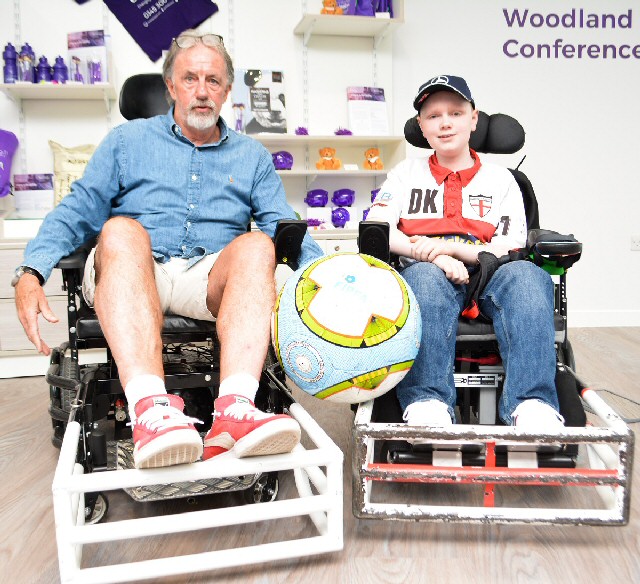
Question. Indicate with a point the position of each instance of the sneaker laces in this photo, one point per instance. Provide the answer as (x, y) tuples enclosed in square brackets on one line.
[(241, 411), (162, 417)]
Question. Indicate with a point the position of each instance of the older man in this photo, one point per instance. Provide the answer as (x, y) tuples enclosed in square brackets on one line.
[(171, 197)]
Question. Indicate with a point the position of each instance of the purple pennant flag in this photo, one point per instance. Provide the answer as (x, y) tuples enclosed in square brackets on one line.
[(154, 23)]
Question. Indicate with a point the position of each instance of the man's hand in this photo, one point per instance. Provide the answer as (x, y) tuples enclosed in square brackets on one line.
[(453, 269), (31, 301)]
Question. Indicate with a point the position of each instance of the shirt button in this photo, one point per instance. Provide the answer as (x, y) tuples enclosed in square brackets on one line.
[(191, 206), (184, 248), (194, 177), (188, 223)]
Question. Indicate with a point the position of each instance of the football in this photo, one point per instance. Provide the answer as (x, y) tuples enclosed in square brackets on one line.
[(346, 327)]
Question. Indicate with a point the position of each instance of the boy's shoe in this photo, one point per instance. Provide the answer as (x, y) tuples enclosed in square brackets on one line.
[(431, 413), (162, 434), (535, 416), (240, 427)]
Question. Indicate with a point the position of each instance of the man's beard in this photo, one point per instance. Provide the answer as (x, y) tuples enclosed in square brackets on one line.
[(202, 121)]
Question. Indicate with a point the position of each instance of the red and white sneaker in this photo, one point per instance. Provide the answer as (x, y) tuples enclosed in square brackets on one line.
[(240, 427), (162, 434)]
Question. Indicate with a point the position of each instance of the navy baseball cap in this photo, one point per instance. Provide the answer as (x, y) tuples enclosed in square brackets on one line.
[(443, 83)]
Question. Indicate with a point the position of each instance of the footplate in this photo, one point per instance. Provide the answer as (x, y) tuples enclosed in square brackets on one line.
[(470, 483), (120, 456)]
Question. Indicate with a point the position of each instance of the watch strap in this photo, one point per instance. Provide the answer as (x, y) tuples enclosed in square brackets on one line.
[(33, 272)]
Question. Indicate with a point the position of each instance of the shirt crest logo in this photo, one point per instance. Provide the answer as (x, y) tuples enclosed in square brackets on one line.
[(481, 204)]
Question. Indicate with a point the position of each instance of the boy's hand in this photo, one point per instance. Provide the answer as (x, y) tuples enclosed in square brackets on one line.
[(31, 301), (426, 249), (453, 269)]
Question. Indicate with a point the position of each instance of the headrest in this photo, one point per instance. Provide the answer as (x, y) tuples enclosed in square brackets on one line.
[(143, 96), (494, 134)]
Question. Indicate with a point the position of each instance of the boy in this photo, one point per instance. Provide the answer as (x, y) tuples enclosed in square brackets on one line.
[(442, 212)]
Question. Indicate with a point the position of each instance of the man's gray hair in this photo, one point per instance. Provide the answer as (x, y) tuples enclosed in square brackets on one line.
[(216, 44)]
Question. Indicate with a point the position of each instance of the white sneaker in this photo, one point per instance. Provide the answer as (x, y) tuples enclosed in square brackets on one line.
[(536, 416), (430, 413)]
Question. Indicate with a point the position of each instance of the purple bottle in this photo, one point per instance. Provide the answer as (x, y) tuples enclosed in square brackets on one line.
[(10, 70), (60, 71), (26, 62), (43, 71)]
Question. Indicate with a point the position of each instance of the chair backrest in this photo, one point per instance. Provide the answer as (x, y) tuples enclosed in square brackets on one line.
[(143, 96), (494, 134)]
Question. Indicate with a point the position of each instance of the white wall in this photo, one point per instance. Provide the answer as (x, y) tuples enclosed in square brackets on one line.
[(582, 121), (581, 115)]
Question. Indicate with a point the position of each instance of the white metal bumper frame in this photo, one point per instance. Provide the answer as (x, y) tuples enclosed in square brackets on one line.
[(318, 478), (610, 458)]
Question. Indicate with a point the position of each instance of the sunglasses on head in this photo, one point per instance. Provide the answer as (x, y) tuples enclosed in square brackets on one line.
[(209, 40)]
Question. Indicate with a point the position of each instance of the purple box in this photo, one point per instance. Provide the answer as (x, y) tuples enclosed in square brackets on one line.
[(348, 6)]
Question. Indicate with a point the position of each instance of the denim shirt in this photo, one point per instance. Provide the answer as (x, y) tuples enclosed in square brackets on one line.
[(192, 200)]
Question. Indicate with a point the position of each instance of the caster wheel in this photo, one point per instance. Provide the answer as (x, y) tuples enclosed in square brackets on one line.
[(97, 512), (264, 490)]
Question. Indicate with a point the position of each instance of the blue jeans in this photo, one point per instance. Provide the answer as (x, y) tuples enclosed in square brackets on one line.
[(520, 302)]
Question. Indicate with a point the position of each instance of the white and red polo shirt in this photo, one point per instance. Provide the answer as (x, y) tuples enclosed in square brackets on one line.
[(477, 205)]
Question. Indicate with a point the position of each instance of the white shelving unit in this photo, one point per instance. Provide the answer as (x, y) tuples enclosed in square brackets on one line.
[(349, 149), (392, 148), (343, 25), (22, 91)]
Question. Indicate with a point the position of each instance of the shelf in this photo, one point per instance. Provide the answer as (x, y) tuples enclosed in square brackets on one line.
[(392, 149), (342, 25), (51, 91), (276, 140), (331, 173)]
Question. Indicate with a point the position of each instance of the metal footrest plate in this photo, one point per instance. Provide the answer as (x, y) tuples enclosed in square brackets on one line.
[(121, 453)]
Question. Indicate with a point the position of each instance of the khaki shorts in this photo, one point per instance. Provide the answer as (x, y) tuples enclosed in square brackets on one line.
[(181, 290)]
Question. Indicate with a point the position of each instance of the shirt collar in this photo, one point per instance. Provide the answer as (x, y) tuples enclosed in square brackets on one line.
[(175, 129), (440, 173)]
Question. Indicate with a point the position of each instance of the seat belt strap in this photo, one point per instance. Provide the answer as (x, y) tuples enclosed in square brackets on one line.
[(478, 279)]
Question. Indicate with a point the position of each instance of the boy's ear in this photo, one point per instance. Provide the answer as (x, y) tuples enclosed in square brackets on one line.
[(474, 120)]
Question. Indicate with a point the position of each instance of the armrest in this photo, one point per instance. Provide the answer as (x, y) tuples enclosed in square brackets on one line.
[(288, 241), (548, 242), (554, 251), (78, 258), (373, 239)]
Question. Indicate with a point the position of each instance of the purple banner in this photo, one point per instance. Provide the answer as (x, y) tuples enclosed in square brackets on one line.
[(154, 23)]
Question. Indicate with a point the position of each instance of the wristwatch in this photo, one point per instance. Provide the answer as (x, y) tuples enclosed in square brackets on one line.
[(26, 270)]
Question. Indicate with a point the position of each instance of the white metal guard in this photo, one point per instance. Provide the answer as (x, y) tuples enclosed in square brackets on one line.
[(609, 470), (324, 508)]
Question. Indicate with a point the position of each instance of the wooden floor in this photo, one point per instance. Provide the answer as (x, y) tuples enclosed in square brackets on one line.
[(374, 551)]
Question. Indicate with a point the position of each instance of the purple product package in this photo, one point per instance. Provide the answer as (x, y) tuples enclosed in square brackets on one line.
[(33, 195), (8, 146), (154, 24), (348, 6), (88, 56), (365, 8)]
